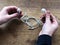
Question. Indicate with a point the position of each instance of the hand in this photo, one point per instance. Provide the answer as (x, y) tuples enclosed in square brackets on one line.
[(50, 24), (7, 13)]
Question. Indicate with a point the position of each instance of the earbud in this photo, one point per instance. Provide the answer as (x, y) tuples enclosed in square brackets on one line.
[(43, 10), (18, 10)]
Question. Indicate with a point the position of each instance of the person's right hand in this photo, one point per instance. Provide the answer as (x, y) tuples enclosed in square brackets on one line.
[(50, 23), (9, 12)]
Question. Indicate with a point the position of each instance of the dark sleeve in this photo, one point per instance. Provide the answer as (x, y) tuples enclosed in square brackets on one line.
[(44, 40)]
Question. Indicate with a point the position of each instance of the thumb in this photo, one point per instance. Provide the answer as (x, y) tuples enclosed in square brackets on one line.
[(47, 17), (13, 15)]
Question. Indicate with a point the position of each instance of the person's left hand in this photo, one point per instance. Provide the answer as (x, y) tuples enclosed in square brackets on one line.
[(7, 13)]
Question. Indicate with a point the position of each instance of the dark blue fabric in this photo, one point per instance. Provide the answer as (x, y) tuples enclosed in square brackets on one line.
[(44, 40)]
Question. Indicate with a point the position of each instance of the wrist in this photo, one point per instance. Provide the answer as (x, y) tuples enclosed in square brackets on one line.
[(47, 32)]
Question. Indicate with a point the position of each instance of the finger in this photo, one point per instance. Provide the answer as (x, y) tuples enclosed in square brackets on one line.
[(54, 18), (43, 18), (47, 11), (8, 9), (20, 14), (11, 10)]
